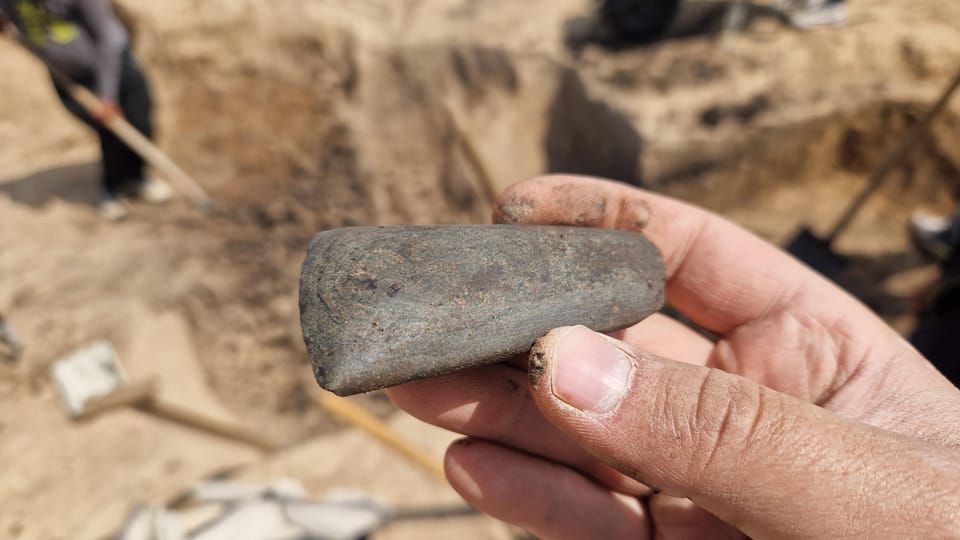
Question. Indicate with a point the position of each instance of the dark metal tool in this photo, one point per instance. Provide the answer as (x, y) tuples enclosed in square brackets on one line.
[(383, 306)]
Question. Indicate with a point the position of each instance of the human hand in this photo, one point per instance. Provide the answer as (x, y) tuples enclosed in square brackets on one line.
[(107, 111), (808, 417)]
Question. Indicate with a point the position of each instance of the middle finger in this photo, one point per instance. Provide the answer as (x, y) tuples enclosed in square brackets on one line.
[(494, 402)]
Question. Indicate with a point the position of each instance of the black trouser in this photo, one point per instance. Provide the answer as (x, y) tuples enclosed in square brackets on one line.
[(937, 334), (122, 167)]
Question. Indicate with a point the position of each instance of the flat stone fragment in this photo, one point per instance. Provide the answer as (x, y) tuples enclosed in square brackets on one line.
[(380, 306)]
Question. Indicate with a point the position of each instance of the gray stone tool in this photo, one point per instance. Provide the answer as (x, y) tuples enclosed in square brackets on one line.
[(380, 306)]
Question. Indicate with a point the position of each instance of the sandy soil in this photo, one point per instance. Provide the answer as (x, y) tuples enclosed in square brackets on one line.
[(301, 116)]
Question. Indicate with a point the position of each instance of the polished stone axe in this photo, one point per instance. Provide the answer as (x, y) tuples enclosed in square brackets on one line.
[(380, 306)]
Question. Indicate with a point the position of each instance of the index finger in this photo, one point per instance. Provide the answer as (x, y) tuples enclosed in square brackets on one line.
[(718, 274), (780, 324)]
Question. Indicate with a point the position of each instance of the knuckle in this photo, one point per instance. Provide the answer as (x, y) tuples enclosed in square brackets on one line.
[(731, 420), (632, 214)]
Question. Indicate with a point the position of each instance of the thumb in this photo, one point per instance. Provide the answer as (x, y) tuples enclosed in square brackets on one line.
[(767, 463)]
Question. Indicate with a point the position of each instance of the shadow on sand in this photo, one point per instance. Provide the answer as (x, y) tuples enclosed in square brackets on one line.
[(76, 183), (588, 136), (865, 277)]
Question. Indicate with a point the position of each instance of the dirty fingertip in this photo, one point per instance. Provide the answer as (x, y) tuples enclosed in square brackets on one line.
[(540, 353), (512, 209), (522, 202), (516, 211), (587, 370)]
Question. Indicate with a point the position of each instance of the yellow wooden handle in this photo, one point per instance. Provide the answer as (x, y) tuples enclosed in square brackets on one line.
[(207, 424), (355, 415), (141, 145), (142, 395)]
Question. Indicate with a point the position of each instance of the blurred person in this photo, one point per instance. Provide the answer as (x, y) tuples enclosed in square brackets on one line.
[(804, 416), (87, 42), (814, 13)]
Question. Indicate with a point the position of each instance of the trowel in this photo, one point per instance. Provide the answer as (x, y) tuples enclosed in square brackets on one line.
[(380, 306)]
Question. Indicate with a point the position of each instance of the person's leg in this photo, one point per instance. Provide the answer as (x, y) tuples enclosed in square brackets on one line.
[(117, 164), (123, 169), (111, 206), (137, 106), (108, 142)]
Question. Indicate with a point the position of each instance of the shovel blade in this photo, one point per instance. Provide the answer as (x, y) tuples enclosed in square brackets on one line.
[(383, 306), (87, 374)]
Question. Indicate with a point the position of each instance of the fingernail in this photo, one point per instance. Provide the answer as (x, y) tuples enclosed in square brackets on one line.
[(589, 372)]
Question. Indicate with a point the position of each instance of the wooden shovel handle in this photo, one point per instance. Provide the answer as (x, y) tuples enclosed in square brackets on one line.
[(141, 395), (214, 426), (129, 395), (139, 144)]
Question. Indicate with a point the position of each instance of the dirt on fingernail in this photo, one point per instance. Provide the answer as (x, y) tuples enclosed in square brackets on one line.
[(537, 367)]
